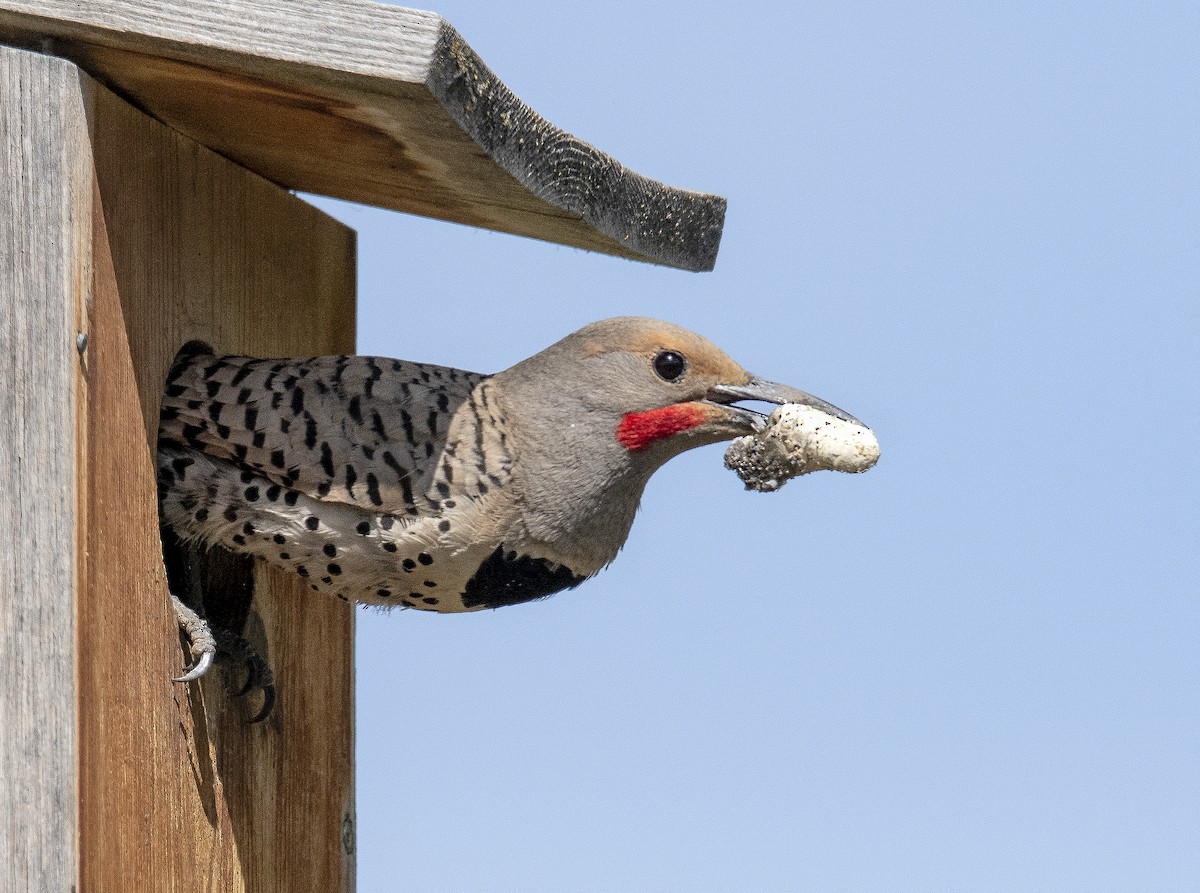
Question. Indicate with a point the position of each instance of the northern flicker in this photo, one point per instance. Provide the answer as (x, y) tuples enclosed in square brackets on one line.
[(390, 482)]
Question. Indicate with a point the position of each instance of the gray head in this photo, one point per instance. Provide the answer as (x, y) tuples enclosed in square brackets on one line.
[(642, 387)]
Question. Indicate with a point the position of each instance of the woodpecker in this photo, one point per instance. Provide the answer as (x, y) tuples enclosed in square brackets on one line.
[(388, 482)]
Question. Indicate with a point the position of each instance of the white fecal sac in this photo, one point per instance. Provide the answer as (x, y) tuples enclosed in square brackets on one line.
[(797, 440)]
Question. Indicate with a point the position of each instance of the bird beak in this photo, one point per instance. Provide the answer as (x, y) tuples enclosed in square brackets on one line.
[(768, 392)]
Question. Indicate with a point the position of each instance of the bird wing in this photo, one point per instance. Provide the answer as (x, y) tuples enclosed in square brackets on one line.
[(366, 431)]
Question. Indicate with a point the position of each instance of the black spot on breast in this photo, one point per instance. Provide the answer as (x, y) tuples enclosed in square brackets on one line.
[(363, 528), (312, 522), (504, 581)]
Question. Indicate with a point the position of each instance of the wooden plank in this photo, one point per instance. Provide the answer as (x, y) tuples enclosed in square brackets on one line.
[(43, 274), (177, 791), (371, 103)]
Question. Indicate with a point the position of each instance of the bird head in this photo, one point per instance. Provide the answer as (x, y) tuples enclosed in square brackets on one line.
[(652, 388)]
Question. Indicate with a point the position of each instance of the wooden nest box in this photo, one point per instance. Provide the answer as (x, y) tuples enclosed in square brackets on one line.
[(147, 150)]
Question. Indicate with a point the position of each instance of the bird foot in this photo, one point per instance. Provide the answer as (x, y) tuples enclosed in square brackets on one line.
[(236, 650), (201, 641), (206, 645)]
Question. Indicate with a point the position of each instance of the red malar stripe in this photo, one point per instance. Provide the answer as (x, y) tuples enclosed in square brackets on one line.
[(638, 430)]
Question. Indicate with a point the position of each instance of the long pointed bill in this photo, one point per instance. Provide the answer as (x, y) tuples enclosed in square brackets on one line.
[(771, 392)]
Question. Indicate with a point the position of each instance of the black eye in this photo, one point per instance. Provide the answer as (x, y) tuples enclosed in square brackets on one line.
[(669, 365)]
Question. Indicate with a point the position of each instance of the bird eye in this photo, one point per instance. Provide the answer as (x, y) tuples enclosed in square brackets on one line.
[(669, 365)]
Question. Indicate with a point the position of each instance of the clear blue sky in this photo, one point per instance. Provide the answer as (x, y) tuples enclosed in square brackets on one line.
[(976, 227)]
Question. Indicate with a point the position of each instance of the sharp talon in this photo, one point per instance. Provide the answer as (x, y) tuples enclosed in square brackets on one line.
[(200, 638), (198, 669), (251, 677), (268, 704)]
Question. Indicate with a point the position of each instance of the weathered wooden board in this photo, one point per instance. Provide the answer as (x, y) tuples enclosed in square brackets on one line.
[(45, 178), (371, 103), (111, 777), (177, 791)]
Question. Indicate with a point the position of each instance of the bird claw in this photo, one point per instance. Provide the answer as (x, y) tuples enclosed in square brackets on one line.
[(197, 670), (206, 645), (268, 704), (201, 641), (258, 672), (259, 675)]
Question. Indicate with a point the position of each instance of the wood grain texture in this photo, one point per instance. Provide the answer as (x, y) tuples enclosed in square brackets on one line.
[(371, 103), (44, 247), (177, 791)]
